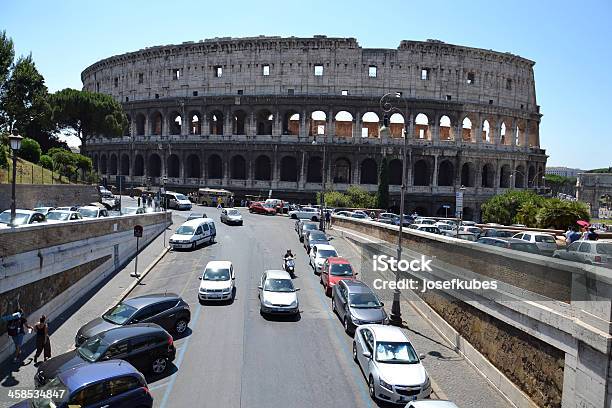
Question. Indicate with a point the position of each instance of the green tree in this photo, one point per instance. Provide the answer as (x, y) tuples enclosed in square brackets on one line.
[(558, 214), (7, 54), (84, 164), (87, 114), (64, 162), (503, 208), (527, 214), (382, 195), (561, 184), (46, 162), (30, 150)]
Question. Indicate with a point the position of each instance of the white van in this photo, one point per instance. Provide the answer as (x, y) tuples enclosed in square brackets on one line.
[(178, 201), (193, 233)]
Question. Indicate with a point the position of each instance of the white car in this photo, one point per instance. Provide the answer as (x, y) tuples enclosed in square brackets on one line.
[(546, 243), (193, 233), (43, 210), (90, 211), (56, 216), (426, 221), (431, 404), (217, 281), (231, 216), (22, 217), (318, 254), (390, 364), (277, 294), (305, 213)]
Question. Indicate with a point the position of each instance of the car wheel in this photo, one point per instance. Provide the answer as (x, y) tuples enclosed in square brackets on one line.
[(334, 306), (313, 219), (159, 365), (321, 279), (180, 326), (371, 388), (355, 352)]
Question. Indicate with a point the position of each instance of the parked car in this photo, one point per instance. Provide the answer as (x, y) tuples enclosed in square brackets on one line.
[(431, 404), (217, 281), (168, 310), (277, 293), (22, 217), (146, 346), (307, 226), (318, 254), (471, 229), (442, 226), (390, 364), (314, 237), (132, 210), (276, 203), (344, 213), (193, 233), (469, 223), (261, 208), (68, 208), (425, 228), (597, 253), (511, 243), (90, 211), (546, 243), (178, 201), (307, 213), (356, 304), (359, 215), (425, 221), (112, 383), (195, 216), (231, 216), (497, 233), (56, 216), (43, 210), (334, 270)]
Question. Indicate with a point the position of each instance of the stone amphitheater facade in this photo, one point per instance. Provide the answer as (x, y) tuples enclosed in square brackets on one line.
[(270, 113)]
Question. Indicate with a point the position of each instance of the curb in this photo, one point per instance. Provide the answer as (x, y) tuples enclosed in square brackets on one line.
[(148, 269)]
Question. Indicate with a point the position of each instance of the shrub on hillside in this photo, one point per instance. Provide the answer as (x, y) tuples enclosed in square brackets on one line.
[(30, 150), (46, 162)]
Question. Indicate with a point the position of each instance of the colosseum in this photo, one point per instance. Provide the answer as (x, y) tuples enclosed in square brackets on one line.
[(269, 113)]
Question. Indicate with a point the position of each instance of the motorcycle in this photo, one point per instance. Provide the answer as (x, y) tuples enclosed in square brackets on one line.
[(289, 266)]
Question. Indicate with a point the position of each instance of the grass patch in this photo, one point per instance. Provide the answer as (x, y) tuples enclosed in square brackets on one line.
[(30, 173)]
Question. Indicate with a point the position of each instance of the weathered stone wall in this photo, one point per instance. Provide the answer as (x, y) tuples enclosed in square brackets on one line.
[(591, 186), (28, 196)]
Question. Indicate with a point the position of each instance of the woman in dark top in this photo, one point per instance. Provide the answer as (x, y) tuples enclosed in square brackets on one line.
[(15, 330), (42, 339)]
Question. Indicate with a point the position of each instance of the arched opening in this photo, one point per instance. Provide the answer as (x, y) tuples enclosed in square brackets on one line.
[(314, 171), (113, 164), (195, 124), (95, 162), (421, 211), (157, 124), (288, 169), (318, 121), (519, 176), (125, 165), (504, 176), (154, 165), (139, 166), (422, 176), (421, 127), (215, 167), (140, 124), (103, 164), (444, 210), (519, 134), (502, 134), (531, 177), (395, 172), (238, 168), (173, 166), (466, 132), (344, 124), (215, 120), (488, 176), (396, 125), (291, 123), (342, 171), (239, 122), (263, 168), (265, 120), (192, 166), (446, 173), (369, 172), (176, 123), (486, 132), (446, 130), (467, 175), (128, 129), (370, 124), (468, 213)]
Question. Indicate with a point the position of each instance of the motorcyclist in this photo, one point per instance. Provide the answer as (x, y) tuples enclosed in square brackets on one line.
[(288, 254)]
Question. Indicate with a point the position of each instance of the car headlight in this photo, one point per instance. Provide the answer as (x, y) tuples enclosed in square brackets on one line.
[(266, 303), (227, 290), (385, 384), (293, 304)]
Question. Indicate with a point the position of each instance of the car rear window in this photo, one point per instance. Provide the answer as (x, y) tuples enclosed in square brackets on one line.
[(604, 248), (545, 238)]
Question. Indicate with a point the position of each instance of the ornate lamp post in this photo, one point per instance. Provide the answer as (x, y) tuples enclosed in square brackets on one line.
[(322, 199), (15, 142), (390, 103)]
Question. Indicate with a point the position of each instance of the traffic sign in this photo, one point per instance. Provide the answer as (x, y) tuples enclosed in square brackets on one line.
[(138, 231), (458, 203)]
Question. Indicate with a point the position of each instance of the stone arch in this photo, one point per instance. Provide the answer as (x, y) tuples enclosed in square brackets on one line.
[(318, 123), (291, 122), (422, 173), (128, 130), (468, 213), (488, 176), (314, 171), (531, 176), (192, 166), (504, 176), (421, 127), (215, 167), (519, 177), (519, 133), (395, 172), (103, 164), (125, 165), (139, 169), (446, 128), (534, 134), (157, 123), (466, 130), (141, 121), (486, 132), (370, 125), (176, 123), (113, 164), (343, 121), (215, 120), (467, 174), (503, 134), (446, 173), (173, 166), (195, 123), (238, 170), (95, 161), (239, 122), (265, 121), (288, 169), (368, 172), (154, 166), (263, 168), (396, 125), (342, 171)]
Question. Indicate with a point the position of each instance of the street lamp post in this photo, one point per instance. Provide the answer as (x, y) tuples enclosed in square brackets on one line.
[(322, 198), (389, 103), (15, 142)]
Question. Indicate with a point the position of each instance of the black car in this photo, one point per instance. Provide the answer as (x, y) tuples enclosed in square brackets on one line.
[(356, 304), (148, 347), (309, 226), (313, 238), (168, 310)]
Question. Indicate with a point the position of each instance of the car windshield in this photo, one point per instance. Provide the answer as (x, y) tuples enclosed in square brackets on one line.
[(309, 227), (341, 270), (92, 349), (357, 215), (396, 353), (233, 212), (326, 253), (216, 275), (604, 248), (181, 197), (268, 205), (20, 218), (445, 227), (129, 210), (88, 212), (279, 285), (185, 230), (545, 238), (56, 390), (119, 314), (59, 216), (364, 301), (317, 235)]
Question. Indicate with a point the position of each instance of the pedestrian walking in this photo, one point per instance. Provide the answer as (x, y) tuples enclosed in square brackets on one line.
[(328, 219), (138, 201), (43, 342), (15, 328), (574, 235)]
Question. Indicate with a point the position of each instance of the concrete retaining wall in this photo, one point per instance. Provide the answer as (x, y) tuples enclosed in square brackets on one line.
[(47, 195)]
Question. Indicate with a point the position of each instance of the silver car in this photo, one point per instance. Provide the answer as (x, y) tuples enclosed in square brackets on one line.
[(277, 295), (390, 364), (431, 404), (589, 252), (231, 216), (546, 243)]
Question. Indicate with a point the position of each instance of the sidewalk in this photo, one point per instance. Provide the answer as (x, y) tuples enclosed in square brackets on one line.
[(64, 328)]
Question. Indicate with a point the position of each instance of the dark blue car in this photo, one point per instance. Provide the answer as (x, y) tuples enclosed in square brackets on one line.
[(113, 383)]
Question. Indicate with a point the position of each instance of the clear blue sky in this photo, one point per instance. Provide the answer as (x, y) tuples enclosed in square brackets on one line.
[(570, 41)]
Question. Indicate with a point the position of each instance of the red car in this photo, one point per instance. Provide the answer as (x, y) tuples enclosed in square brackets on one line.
[(335, 269), (262, 208)]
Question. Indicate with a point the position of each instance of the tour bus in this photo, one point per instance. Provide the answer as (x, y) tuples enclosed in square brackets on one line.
[(209, 196)]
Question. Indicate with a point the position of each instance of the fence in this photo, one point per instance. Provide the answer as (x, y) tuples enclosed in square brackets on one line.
[(29, 173)]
